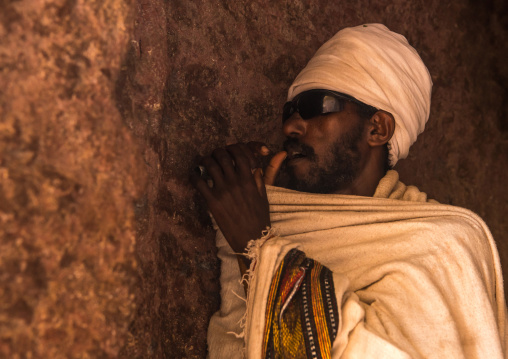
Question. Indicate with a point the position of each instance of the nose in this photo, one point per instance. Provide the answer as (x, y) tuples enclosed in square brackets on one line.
[(295, 126)]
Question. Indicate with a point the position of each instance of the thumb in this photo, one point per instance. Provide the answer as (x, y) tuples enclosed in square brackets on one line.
[(273, 167)]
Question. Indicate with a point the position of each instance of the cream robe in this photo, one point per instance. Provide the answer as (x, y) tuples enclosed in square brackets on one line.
[(413, 279)]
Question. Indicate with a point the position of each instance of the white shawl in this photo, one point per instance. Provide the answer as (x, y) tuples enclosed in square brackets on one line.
[(412, 279)]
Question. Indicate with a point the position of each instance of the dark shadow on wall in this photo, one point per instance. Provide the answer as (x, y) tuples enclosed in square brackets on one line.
[(177, 267), (200, 75)]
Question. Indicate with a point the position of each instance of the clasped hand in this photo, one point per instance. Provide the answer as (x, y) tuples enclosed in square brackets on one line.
[(237, 199)]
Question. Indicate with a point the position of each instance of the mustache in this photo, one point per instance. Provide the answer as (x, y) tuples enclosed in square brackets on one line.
[(292, 144)]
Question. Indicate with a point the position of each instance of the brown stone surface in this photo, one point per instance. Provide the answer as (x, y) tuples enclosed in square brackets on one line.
[(69, 173), (105, 107)]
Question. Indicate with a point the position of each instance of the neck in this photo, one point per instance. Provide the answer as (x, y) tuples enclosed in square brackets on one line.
[(371, 172)]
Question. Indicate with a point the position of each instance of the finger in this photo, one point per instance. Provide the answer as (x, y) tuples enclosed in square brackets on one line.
[(259, 148), (214, 170), (201, 185), (243, 157), (260, 184), (253, 161), (226, 163), (273, 168)]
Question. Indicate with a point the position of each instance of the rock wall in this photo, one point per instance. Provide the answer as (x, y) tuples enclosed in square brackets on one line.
[(69, 173), (105, 106)]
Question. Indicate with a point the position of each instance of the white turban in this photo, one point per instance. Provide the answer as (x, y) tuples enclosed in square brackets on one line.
[(379, 68)]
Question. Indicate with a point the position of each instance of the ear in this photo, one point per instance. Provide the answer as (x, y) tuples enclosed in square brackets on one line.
[(381, 127)]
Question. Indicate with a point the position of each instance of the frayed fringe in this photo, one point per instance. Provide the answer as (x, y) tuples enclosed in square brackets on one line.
[(252, 253)]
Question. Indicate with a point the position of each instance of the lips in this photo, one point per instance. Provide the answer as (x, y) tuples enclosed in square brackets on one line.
[(293, 155), (295, 151)]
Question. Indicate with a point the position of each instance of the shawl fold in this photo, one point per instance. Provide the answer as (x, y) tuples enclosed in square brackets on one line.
[(413, 279)]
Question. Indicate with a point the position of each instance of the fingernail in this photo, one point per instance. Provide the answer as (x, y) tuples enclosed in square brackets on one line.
[(264, 150), (200, 170)]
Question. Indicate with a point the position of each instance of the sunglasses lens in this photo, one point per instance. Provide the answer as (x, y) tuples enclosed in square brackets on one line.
[(331, 104), (287, 111), (312, 104)]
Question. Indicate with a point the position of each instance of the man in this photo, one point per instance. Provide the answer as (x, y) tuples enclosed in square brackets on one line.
[(344, 260)]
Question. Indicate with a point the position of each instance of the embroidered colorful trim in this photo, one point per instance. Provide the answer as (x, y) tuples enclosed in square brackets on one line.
[(301, 312)]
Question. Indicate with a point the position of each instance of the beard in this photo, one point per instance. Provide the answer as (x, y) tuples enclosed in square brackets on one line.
[(333, 173)]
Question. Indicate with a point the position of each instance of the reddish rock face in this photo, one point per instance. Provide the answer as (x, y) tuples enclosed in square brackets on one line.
[(106, 251), (69, 173)]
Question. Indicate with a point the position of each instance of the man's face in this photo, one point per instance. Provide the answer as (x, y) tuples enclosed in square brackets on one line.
[(324, 153)]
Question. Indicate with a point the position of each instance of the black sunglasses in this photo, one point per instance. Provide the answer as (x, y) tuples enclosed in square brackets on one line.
[(318, 102)]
